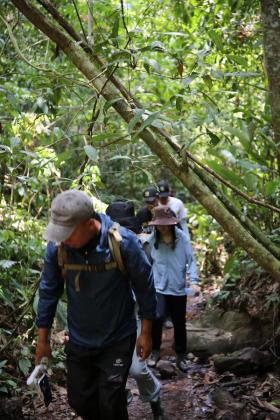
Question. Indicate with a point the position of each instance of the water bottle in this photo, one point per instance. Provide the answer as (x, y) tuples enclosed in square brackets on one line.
[(37, 372), (39, 379)]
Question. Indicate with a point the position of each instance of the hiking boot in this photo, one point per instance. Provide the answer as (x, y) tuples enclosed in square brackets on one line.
[(157, 410), (182, 362), (154, 358)]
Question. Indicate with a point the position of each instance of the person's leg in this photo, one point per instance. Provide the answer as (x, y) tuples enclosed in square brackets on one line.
[(82, 383), (114, 363), (157, 323), (177, 308), (148, 385)]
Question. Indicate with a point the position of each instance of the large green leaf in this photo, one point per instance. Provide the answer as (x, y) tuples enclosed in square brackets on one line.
[(227, 174), (216, 38), (148, 121), (91, 152), (251, 181), (137, 117), (115, 30), (214, 139), (242, 135), (229, 264), (108, 104), (271, 187), (24, 365)]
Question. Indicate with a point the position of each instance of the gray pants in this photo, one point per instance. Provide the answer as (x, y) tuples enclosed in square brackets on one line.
[(148, 385)]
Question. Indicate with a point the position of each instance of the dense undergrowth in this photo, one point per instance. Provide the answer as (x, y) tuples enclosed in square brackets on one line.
[(241, 285)]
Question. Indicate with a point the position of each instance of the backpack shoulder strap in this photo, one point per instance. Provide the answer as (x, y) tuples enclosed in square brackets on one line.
[(114, 240), (62, 259)]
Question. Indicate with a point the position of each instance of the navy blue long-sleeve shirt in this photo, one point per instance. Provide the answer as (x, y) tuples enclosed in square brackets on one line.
[(102, 312)]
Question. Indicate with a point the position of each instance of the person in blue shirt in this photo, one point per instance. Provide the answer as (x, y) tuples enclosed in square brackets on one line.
[(100, 305), (122, 211), (172, 257)]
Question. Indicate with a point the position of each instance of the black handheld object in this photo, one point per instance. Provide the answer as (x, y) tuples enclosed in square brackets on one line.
[(45, 388)]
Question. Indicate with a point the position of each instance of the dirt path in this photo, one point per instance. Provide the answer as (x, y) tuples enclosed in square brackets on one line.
[(189, 396), (178, 396), (201, 393)]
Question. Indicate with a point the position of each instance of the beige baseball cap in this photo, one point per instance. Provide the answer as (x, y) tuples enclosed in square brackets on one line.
[(68, 209)]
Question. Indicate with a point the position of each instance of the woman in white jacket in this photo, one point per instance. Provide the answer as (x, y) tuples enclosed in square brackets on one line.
[(172, 257)]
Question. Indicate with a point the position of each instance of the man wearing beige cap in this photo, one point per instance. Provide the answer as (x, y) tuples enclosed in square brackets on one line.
[(101, 322)]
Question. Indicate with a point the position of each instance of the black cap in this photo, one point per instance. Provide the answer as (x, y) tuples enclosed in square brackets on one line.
[(164, 189), (150, 194), (122, 212), (144, 215)]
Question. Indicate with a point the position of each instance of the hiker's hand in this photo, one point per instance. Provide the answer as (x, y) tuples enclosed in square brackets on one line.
[(43, 349), (65, 337), (196, 288), (144, 346)]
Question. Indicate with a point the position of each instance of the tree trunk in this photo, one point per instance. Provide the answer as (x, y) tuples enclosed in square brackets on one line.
[(271, 46), (104, 86)]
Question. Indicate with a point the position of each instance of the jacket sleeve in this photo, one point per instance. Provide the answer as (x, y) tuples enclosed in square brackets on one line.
[(140, 274), (191, 262), (50, 288)]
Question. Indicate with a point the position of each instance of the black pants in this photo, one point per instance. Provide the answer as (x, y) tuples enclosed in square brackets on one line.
[(96, 380), (176, 307)]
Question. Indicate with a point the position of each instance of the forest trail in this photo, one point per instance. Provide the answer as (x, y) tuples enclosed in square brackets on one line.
[(201, 393), (178, 394)]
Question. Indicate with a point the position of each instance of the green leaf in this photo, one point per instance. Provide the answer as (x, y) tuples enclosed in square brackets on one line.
[(106, 136), (5, 149), (179, 102), (108, 104), (158, 46), (214, 139), (12, 99), (14, 141), (229, 264), (115, 30), (147, 67), (91, 152), (120, 56), (242, 74), (151, 63), (148, 121), (2, 363), (227, 174), (132, 123), (216, 38), (6, 264), (271, 187), (4, 389), (183, 34), (251, 181), (24, 365), (238, 59), (119, 157), (189, 79), (243, 136), (208, 81), (11, 383)]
